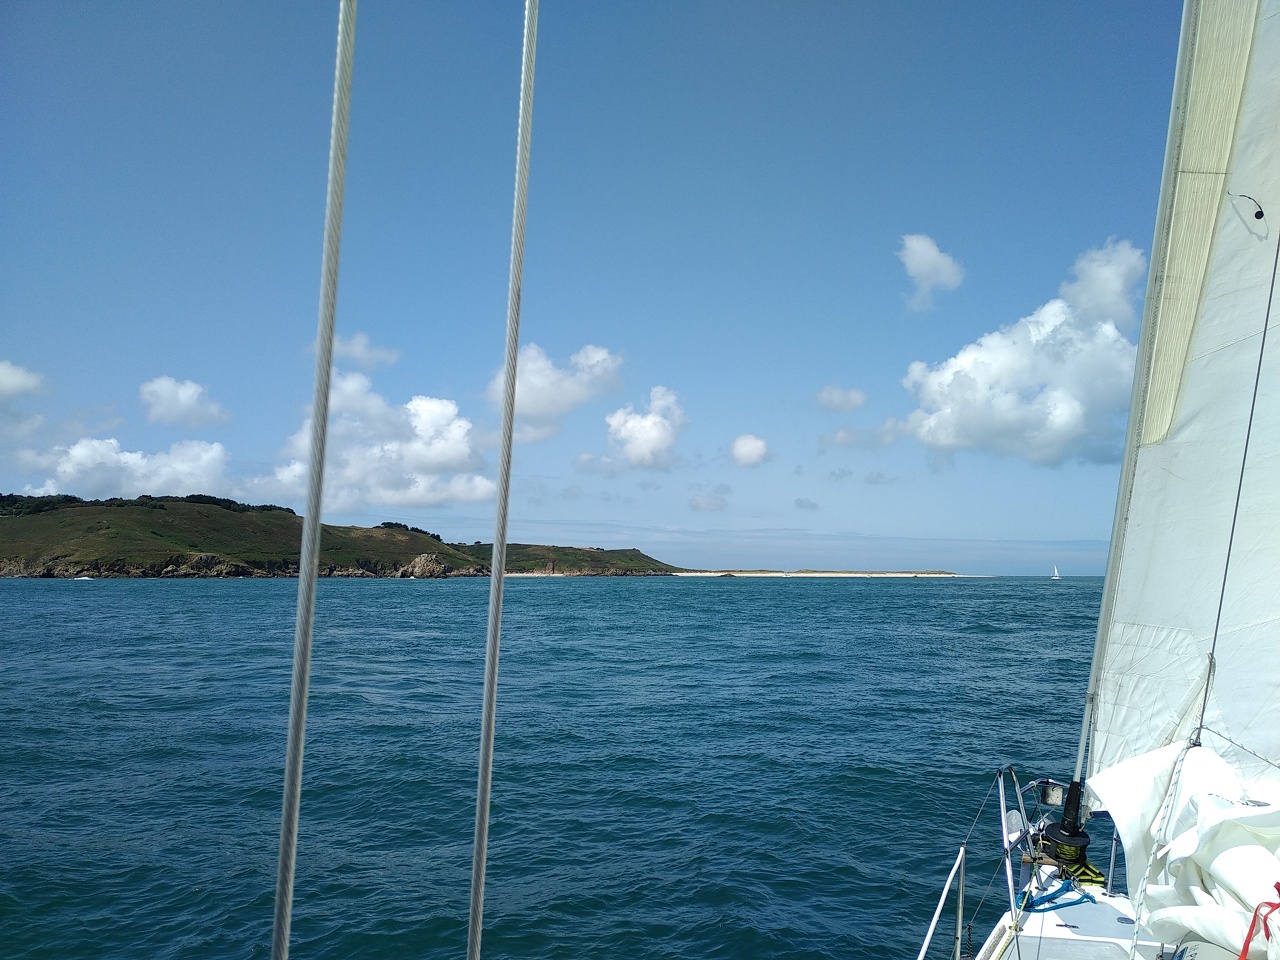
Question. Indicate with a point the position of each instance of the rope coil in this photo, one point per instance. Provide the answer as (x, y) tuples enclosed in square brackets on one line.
[(1048, 903)]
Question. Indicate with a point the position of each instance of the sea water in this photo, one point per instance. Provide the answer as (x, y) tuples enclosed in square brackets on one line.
[(684, 767)]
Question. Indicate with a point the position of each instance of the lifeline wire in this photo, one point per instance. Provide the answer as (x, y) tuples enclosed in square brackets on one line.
[(309, 559), (983, 806), (498, 565), (1241, 747)]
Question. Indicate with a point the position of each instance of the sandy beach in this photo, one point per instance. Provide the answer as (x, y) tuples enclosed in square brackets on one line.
[(816, 573), (811, 574)]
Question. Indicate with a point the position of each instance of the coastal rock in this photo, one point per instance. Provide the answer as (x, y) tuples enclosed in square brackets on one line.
[(181, 566), (355, 572), (425, 566)]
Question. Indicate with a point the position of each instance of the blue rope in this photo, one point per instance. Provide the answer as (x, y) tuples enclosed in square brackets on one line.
[(1038, 904)]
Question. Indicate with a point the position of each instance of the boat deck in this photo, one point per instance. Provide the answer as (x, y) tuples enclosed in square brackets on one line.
[(1080, 930)]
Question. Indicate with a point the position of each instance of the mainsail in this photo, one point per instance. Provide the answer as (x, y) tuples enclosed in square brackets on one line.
[(1184, 706)]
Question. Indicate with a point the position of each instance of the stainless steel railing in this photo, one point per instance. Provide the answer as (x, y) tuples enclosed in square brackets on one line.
[(957, 870)]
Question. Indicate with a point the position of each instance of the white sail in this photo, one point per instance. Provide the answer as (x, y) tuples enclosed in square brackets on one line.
[(1189, 639), (1172, 586)]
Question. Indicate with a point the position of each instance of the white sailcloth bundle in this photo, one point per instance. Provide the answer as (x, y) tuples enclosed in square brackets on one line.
[(1200, 854)]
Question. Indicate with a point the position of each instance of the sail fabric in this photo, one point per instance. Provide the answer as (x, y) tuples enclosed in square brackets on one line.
[(1200, 856), (1184, 714), (1181, 583)]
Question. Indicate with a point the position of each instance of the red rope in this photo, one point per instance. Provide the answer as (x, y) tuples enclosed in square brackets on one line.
[(1263, 912)]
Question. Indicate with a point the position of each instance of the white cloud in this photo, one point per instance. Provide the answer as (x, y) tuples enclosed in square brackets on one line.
[(14, 382), (546, 393), (839, 398), (1051, 387), (646, 439), (707, 504), (929, 269), (804, 503), (749, 451), (1105, 283), (179, 401), (362, 352), (101, 468), (419, 453)]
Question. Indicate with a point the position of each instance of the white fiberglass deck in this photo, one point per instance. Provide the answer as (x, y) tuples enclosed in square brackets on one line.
[(1103, 929)]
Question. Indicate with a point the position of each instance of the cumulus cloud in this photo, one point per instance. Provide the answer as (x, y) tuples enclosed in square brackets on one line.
[(15, 381), (804, 503), (179, 401), (102, 468), (647, 439), (841, 399), (1106, 278), (749, 450), (929, 269), (1052, 387), (93, 467), (361, 351), (419, 453), (545, 393)]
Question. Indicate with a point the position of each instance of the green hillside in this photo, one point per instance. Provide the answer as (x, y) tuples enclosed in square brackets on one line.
[(536, 558), (210, 536)]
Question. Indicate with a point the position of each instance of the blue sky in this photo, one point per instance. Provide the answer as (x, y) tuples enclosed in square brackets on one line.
[(812, 284)]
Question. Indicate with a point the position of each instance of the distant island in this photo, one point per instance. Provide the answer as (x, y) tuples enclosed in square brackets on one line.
[(202, 536)]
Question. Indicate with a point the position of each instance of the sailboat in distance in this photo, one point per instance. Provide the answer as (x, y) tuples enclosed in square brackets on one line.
[(1056, 575), (1180, 741)]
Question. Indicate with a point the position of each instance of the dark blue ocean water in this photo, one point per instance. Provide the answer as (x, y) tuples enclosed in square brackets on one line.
[(685, 768)]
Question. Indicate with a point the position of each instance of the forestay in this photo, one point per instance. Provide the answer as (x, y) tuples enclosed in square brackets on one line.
[(1189, 640)]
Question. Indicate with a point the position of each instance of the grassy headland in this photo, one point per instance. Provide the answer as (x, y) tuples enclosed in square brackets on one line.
[(200, 536)]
